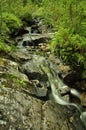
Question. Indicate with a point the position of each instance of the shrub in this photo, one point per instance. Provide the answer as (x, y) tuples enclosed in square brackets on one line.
[(26, 13), (11, 22), (51, 12), (71, 48), (4, 47)]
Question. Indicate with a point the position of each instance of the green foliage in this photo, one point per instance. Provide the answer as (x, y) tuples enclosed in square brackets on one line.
[(12, 79), (17, 80), (4, 47), (50, 12), (4, 31), (71, 48), (21, 82), (11, 21), (68, 18), (26, 14), (26, 11), (69, 21), (62, 13)]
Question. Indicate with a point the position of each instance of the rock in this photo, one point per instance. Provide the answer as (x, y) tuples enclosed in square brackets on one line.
[(20, 55), (34, 39), (19, 111), (54, 59), (33, 71), (83, 99), (68, 75), (40, 91), (71, 78), (33, 66), (58, 117), (44, 47), (9, 69)]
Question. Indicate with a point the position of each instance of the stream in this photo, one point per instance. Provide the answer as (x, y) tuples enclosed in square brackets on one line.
[(27, 100)]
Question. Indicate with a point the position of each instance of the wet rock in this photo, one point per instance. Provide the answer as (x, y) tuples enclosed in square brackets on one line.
[(52, 117), (20, 55), (58, 117), (41, 27), (33, 71), (33, 66), (34, 39), (40, 90)]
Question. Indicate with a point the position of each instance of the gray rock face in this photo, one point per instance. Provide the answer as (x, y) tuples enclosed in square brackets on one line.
[(20, 55), (34, 64), (34, 72), (10, 68), (20, 108), (19, 111)]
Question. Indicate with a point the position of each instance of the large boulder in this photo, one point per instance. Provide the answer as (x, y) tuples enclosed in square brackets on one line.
[(20, 111)]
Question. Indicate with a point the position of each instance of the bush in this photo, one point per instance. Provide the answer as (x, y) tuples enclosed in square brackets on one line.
[(51, 12), (11, 22), (71, 48), (26, 13), (4, 47), (26, 18)]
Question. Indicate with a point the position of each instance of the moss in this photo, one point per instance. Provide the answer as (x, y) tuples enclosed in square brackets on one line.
[(12, 81)]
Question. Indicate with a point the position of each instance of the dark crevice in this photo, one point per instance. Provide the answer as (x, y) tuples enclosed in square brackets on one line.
[(34, 42), (44, 98), (37, 76)]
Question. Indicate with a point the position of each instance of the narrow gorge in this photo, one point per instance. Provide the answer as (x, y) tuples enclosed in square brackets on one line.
[(26, 101)]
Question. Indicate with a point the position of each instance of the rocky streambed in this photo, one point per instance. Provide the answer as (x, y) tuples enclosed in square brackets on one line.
[(26, 102)]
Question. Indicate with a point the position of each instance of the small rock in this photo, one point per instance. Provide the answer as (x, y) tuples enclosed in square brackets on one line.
[(83, 99)]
